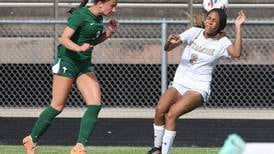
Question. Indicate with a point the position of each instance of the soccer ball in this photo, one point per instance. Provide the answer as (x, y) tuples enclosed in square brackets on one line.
[(211, 4)]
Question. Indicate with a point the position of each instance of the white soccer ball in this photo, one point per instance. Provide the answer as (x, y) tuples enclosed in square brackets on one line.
[(211, 4)]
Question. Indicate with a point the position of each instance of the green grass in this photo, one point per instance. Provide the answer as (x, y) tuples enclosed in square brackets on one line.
[(8, 149)]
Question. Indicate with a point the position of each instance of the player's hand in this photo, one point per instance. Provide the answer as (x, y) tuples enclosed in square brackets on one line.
[(174, 39), (112, 27), (85, 47), (240, 19)]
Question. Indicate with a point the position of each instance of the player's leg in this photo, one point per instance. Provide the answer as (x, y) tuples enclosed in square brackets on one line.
[(166, 100), (89, 88), (186, 103), (60, 90)]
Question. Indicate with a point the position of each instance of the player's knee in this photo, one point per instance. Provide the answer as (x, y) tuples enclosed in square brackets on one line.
[(170, 116), (160, 111)]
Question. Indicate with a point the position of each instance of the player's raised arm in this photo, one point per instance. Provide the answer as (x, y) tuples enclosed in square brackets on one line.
[(235, 49)]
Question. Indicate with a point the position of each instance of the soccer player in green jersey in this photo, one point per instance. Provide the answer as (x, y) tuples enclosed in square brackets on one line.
[(73, 63)]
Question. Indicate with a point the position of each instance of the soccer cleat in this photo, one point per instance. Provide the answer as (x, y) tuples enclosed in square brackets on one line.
[(30, 147), (154, 150), (78, 149)]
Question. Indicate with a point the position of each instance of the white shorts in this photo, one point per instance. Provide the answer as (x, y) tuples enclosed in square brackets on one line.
[(182, 89)]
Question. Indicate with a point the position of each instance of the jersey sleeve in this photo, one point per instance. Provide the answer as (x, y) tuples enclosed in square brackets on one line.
[(75, 20), (189, 35), (225, 42)]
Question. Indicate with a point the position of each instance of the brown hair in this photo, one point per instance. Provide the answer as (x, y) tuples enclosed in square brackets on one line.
[(196, 20), (84, 3), (96, 1)]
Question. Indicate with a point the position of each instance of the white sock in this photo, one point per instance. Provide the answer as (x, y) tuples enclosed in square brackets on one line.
[(158, 135), (168, 139)]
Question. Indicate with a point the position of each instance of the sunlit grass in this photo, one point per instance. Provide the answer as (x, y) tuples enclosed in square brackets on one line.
[(8, 149)]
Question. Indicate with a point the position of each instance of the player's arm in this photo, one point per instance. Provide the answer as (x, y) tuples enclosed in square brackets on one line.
[(172, 42), (66, 41), (235, 49), (110, 30)]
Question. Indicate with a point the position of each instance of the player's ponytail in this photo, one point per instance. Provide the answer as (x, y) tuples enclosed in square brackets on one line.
[(96, 1), (82, 4), (196, 20)]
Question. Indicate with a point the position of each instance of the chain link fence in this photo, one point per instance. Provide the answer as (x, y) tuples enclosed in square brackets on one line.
[(128, 66)]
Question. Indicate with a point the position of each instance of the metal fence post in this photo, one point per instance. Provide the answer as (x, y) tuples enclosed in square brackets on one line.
[(55, 40), (164, 58), (190, 7)]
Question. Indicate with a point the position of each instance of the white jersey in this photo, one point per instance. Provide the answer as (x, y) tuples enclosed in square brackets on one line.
[(199, 58)]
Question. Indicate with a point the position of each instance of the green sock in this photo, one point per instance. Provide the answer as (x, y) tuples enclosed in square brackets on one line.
[(43, 122), (88, 123)]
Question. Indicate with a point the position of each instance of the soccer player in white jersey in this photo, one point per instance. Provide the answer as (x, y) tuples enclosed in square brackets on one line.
[(191, 83)]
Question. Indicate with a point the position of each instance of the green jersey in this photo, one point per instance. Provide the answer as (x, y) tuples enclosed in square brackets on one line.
[(87, 28)]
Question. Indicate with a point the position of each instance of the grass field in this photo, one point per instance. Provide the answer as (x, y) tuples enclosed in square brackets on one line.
[(7, 149)]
